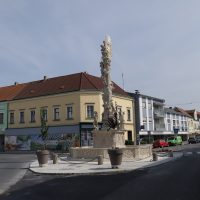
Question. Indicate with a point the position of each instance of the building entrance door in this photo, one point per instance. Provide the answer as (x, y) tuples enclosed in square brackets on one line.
[(2, 143)]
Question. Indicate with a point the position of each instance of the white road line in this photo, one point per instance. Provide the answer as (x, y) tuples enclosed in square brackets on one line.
[(198, 152), (188, 153)]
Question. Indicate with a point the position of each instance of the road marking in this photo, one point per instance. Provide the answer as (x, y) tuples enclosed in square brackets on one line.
[(188, 153), (198, 152)]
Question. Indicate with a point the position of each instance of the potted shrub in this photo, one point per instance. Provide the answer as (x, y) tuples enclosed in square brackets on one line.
[(43, 154), (115, 155)]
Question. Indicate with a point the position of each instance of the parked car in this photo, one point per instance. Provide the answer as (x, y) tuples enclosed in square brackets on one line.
[(198, 139), (175, 140), (160, 143), (192, 140)]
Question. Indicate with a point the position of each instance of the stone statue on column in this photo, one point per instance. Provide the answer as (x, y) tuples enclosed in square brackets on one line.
[(112, 133), (109, 117)]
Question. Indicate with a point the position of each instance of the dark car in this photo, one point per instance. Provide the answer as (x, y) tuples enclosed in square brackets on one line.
[(192, 140), (160, 143), (198, 139)]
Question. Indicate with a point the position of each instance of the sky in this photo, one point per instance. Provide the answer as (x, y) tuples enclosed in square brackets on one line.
[(155, 44)]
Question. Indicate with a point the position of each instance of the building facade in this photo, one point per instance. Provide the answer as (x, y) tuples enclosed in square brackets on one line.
[(154, 121), (176, 123), (193, 120), (6, 94), (69, 103), (149, 115)]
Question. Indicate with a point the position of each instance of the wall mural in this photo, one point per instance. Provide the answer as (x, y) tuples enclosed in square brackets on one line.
[(33, 142)]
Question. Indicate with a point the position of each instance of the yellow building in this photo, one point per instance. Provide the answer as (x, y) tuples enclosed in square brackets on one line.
[(69, 103)]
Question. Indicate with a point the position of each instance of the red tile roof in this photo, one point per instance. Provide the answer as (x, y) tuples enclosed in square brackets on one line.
[(182, 111), (63, 84), (9, 92), (190, 112)]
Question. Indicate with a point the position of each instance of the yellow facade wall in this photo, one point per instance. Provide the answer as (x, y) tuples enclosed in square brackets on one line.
[(90, 98), (78, 101), (96, 100), (61, 101)]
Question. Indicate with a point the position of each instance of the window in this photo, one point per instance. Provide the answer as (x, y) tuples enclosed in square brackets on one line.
[(1, 118), (143, 104), (32, 115), (69, 112), (12, 121), (182, 125), (149, 106), (144, 120), (128, 115), (21, 117), (174, 124), (177, 124), (150, 119), (90, 111), (56, 114)]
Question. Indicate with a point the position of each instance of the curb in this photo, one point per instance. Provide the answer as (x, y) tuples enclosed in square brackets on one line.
[(151, 164)]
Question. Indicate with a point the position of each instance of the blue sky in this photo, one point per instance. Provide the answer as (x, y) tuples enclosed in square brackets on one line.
[(156, 44)]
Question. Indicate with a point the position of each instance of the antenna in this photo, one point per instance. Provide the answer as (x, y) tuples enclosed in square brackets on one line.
[(123, 80)]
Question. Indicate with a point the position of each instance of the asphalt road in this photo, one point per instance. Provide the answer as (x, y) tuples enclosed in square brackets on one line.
[(12, 169), (177, 180)]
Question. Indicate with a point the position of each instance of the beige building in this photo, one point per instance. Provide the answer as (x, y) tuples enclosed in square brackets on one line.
[(69, 103), (193, 122)]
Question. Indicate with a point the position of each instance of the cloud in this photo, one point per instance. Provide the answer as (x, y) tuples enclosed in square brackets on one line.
[(155, 43)]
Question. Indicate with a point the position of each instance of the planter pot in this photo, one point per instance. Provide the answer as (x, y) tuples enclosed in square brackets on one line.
[(42, 156), (115, 157)]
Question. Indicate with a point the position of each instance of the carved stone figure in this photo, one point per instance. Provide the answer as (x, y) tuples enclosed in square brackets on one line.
[(121, 119), (95, 123)]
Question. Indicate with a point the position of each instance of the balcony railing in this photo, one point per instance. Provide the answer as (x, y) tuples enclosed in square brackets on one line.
[(159, 113), (160, 127)]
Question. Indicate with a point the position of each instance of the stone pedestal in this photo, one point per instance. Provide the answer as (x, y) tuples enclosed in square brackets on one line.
[(129, 152), (108, 139)]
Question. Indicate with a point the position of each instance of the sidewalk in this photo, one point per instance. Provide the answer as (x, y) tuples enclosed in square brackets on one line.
[(66, 166)]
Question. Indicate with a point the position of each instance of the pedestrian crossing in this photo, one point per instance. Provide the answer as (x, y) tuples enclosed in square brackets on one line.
[(190, 153)]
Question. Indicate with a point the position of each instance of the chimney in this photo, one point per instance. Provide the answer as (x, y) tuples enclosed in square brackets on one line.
[(45, 78)]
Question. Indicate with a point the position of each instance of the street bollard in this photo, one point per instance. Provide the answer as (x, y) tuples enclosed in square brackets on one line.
[(171, 154), (55, 158), (100, 160), (155, 156), (51, 155)]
